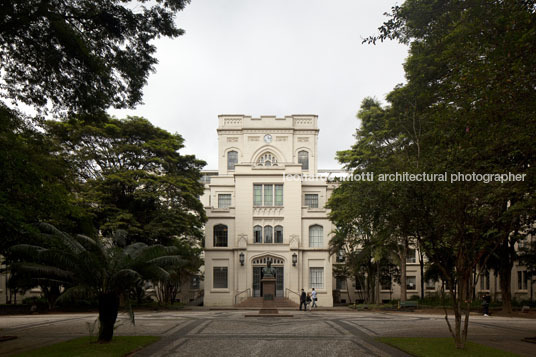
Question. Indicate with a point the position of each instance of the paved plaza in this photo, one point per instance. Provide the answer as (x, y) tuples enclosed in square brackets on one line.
[(229, 333)]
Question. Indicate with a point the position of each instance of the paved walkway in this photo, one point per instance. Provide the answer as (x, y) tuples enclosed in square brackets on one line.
[(229, 333)]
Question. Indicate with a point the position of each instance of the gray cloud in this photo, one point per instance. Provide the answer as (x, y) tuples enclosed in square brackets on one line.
[(260, 57)]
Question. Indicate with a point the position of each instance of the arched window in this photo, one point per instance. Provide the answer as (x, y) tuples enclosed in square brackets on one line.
[(232, 160), (257, 234), (303, 159), (278, 234), (268, 234), (267, 159), (316, 236), (220, 235)]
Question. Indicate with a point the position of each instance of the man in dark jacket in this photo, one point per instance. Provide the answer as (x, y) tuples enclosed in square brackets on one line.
[(303, 300), (486, 300)]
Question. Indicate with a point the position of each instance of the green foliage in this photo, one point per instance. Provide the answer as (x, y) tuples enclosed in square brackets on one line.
[(81, 347), (34, 184), (132, 177), (468, 106), (95, 267), (80, 55), (439, 346)]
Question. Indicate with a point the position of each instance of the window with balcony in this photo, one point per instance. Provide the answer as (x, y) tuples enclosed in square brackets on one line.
[(220, 235), (311, 200), (224, 200), (316, 236), (303, 159), (232, 160)]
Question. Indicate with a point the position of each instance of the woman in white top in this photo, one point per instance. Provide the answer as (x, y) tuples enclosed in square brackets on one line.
[(313, 295)]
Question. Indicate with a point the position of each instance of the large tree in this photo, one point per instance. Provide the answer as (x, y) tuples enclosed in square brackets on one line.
[(468, 106), (131, 176), (81, 56), (94, 267), (34, 184)]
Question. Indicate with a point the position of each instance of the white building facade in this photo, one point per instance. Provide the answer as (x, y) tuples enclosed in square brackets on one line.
[(256, 211)]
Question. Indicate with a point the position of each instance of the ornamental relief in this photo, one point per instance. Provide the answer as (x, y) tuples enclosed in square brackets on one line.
[(267, 211), (232, 121)]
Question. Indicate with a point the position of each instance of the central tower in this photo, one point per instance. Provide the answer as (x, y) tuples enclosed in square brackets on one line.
[(256, 213)]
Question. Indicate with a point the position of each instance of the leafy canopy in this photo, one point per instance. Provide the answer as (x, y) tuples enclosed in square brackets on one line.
[(131, 176), (81, 56)]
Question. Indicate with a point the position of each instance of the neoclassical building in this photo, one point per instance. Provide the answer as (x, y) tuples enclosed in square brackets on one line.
[(258, 210)]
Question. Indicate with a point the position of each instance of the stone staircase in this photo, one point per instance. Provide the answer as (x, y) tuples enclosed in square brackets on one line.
[(256, 303)]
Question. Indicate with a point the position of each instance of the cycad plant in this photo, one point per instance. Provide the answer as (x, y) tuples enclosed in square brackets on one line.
[(94, 266)]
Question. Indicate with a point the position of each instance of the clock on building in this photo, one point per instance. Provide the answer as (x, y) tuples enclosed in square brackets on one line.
[(268, 138)]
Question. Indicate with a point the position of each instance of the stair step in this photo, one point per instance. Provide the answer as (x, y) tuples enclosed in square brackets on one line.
[(258, 302)]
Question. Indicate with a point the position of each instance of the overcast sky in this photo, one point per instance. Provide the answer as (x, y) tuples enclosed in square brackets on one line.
[(277, 57)]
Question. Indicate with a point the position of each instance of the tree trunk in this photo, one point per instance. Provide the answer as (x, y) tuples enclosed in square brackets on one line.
[(505, 274), (421, 263), (377, 285), (402, 256), (108, 309)]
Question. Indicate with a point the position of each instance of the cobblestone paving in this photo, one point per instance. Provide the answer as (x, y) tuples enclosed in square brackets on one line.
[(229, 333)]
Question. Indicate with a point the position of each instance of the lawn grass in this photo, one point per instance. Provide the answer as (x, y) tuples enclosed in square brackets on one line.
[(438, 347), (80, 347)]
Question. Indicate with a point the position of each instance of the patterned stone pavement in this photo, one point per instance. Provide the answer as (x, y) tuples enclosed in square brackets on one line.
[(229, 333)]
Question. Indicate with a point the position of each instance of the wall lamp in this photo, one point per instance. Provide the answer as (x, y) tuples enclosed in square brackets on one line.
[(242, 258), (294, 259)]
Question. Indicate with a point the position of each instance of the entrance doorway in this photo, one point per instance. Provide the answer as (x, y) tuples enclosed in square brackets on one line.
[(277, 264)]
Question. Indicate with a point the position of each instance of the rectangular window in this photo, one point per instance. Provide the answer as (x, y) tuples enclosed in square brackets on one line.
[(257, 234), (268, 195), (257, 195), (358, 285), (220, 278), (195, 283), (311, 200), (279, 195), (316, 278), (278, 234), (224, 200), (232, 160), (411, 283), (430, 285), (410, 256), (340, 256), (340, 283), (385, 282), (316, 236), (522, 280)]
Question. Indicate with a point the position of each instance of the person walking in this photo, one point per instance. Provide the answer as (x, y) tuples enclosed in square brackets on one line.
[(308, 301), (485, 304), (303, 300), (313, 296)]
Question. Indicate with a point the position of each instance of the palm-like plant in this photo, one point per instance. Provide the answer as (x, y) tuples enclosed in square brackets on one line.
[(94, 266)]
